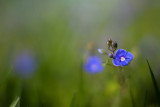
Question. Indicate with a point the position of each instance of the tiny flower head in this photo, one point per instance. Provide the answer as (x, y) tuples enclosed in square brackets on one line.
[(122, 57), (93, 65), (24, 64)]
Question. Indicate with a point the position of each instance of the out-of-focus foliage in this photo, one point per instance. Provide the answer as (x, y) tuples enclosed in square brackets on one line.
[(61, 34)]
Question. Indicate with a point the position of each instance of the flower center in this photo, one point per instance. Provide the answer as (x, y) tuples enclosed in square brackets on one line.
[(123, 59), (94, 67)]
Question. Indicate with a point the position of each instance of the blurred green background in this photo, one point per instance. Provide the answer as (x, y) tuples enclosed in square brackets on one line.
[(59, 33)]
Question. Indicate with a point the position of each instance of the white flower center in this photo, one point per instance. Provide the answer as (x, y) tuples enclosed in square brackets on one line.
[(94, 67), (123, 59)]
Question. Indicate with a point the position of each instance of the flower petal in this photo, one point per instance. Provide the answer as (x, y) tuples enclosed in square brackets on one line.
[(120, 52), (124, 63), (129, 57), (116, 62)]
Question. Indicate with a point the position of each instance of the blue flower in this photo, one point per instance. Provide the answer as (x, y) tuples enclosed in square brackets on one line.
[(122, 58), (24, 64), (93, 65)]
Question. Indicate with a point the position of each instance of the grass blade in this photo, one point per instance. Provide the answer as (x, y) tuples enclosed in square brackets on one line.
[(73, 100), (15, 102), (145, 100), (154, 81), (132, 99)]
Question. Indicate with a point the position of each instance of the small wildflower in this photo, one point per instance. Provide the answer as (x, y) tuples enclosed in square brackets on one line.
[(24, 64), (122, 57), (93, 65)]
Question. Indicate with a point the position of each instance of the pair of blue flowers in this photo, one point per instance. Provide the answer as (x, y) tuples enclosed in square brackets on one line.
[(121, 58)]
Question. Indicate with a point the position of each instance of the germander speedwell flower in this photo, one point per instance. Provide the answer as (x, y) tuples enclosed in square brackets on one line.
[(24, 64), (93, 65), (122, 57)]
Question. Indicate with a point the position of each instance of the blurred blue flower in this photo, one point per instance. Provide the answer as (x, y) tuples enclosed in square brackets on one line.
[(24, 64), (93, 65), (122, 58)]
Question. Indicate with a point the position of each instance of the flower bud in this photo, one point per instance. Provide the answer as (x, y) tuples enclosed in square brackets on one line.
[(109, 42), (101, 51), (114, 45), (110, 55)]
